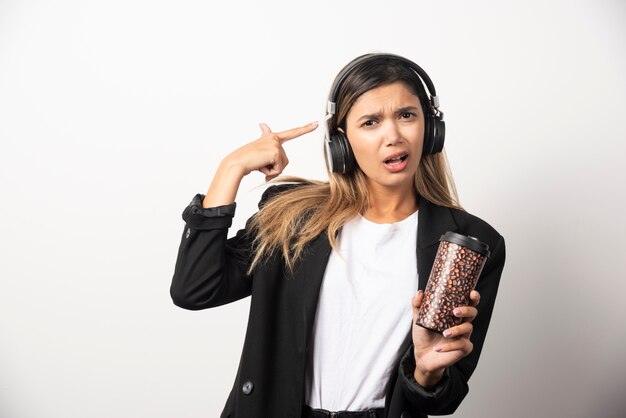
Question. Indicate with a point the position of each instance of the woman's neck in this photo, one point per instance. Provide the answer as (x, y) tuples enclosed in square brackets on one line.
[(390, 205)]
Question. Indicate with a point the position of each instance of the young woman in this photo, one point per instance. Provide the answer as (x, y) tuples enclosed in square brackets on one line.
[(334, 267)]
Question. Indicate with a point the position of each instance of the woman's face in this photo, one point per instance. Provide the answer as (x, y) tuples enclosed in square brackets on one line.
[(385, 128)]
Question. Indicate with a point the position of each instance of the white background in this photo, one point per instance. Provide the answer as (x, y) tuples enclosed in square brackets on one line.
[(114, 114)]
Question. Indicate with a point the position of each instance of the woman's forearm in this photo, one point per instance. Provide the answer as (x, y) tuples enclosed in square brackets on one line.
[(223, 189)]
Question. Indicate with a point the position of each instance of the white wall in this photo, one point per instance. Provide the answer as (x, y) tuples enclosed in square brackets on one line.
[(114, 114)]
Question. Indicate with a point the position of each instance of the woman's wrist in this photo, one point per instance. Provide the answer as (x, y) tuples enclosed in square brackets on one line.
[(428, 380), (223, 189), (232, 165)]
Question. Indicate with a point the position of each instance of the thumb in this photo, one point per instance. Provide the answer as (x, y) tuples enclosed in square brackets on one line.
[(264, 128), (417, 303)]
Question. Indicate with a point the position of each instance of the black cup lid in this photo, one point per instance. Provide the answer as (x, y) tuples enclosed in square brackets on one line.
[(467, 241)]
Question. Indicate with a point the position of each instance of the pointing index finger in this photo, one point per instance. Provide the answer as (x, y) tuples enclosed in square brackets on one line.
[(289, 134)]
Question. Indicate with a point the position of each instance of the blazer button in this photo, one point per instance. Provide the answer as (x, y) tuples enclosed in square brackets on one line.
[(247, 387), (405, 415)]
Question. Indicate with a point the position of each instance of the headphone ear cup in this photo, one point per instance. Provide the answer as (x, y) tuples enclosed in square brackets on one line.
[(428, 136), (439, 134), (335, 153), (349, 160), (340, 153), (434, 135)]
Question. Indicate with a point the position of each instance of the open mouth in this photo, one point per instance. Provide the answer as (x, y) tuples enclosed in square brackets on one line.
[(396, 160)]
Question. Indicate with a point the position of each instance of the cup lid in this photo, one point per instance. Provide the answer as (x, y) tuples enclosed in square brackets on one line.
[(467, 241)]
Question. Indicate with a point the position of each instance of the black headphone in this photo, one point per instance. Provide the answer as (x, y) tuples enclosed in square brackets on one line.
[(338, 151)]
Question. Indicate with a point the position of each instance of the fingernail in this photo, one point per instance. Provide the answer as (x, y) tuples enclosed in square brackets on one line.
[(438, 349), (457, 312), (446, 333), (314, 123)]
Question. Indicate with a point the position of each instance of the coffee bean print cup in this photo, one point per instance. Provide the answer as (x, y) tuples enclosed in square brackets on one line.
[(459, 261)]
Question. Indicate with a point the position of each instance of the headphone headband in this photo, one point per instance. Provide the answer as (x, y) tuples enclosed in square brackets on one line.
[(424, 78)]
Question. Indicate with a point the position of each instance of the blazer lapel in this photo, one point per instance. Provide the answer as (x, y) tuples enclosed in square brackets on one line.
[(309, 272), (432, 222)]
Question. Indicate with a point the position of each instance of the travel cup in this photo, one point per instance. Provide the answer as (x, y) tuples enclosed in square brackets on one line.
[(457, 266)]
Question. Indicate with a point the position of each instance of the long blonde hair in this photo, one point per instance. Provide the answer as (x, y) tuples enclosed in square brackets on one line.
[(316, 207)]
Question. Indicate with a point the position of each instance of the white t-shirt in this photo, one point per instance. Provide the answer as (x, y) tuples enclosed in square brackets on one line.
[(363, 315)]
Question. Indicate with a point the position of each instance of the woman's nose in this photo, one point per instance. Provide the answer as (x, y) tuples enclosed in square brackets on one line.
[(392, 134)]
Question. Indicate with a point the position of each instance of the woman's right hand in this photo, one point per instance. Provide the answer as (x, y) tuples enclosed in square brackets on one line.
[(266, 154)]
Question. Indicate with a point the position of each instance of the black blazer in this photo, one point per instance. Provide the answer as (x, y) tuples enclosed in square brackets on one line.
[(211, 270)]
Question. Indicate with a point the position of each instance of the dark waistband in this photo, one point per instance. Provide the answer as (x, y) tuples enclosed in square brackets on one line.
[(323, 413)]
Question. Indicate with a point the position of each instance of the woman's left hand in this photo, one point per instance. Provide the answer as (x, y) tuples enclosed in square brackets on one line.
[(434, 352)]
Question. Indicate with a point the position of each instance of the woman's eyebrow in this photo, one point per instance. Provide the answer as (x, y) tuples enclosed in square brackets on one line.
[(397, 112)]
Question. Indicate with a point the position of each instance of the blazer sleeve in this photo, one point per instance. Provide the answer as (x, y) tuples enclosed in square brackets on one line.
[(447, 395), (210, 269)]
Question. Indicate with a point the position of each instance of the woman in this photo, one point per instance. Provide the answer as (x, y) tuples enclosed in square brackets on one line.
[(334, 267)]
